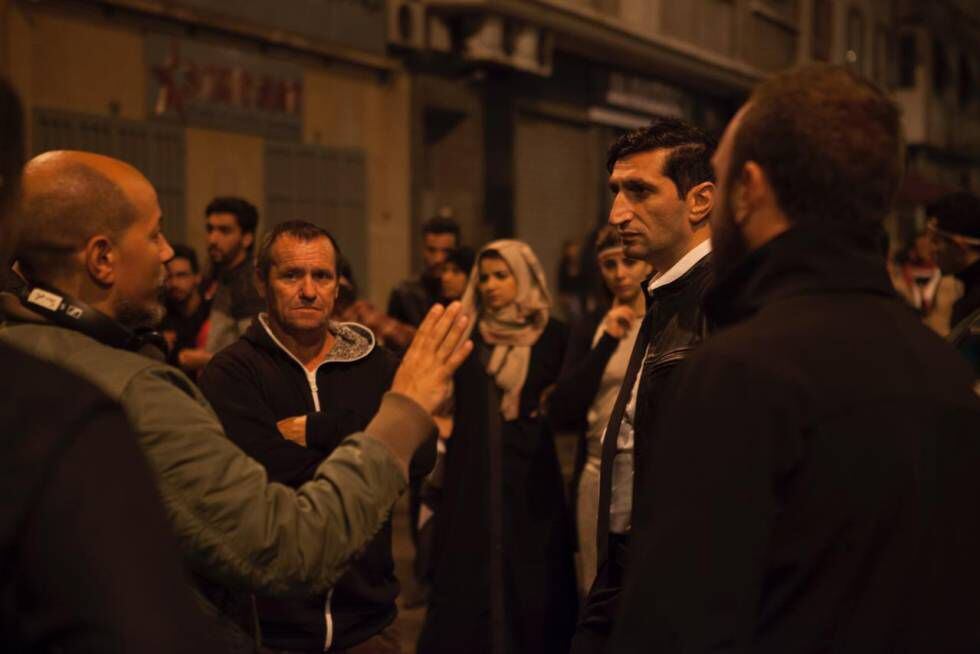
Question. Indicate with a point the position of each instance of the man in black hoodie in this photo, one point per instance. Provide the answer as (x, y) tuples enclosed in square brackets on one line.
[(813, 484), (288, 392)]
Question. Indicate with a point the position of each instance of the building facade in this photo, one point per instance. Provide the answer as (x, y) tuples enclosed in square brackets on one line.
[(368, 116), (294, 105), (937, 83), (516, 101)]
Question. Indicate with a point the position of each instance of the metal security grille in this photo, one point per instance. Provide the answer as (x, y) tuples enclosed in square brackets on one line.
[(158, 151), (325, 186)]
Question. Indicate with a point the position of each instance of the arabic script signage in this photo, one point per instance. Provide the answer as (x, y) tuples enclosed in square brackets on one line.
[(222, 88)]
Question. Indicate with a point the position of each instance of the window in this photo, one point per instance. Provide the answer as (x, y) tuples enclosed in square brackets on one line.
[(822, 29)]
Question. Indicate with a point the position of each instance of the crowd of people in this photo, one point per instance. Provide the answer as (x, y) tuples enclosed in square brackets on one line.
[(775, 451)]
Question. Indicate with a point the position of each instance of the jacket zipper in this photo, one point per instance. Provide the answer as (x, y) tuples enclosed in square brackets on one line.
[(327, 616), (314, 391)]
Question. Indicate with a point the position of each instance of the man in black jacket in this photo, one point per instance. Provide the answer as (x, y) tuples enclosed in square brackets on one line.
[(813, 483), (288, 392), (663, 189)]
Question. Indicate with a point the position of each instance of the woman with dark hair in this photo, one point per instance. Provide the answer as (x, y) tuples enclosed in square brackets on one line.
[(502, 576), (598, 352)]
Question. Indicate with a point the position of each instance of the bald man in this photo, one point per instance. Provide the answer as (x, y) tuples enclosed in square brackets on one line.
[(90, 563), (93, 254)]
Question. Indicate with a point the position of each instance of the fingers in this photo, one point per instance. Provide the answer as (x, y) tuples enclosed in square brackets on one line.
[(443, 326), (422, 336), (457, 358), (452, 338)]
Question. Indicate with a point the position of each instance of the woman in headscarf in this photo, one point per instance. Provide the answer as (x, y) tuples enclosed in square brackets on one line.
[(502, 577)]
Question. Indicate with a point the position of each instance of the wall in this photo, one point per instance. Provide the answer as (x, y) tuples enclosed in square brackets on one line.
[(220, 163), (348, 108), (82, 61)]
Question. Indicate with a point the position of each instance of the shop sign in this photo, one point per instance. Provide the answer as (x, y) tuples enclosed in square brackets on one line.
[(222, 88), (648, 96)]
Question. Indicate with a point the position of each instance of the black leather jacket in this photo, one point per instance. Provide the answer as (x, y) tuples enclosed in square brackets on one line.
[(676, 324)]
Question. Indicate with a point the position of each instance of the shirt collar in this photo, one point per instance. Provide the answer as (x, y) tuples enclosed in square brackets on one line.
[(685, 263)]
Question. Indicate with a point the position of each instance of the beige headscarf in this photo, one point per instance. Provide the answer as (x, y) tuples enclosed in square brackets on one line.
[(513, 329)]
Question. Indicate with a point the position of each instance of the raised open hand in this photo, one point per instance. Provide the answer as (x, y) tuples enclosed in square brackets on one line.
[(426, 372)]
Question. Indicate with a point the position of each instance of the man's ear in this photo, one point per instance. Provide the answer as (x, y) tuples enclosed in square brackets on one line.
[(100, 259), (700, 199), (247, 239), (757, 192)]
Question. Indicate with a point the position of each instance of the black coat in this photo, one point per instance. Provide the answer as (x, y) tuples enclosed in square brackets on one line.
[(503, 579), (673, 325), (813, 483), (252, 384)]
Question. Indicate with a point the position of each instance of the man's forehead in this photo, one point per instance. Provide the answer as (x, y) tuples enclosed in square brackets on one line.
[(646, 163), (179, 263), (291, 251), (439, 238), (222, 218)]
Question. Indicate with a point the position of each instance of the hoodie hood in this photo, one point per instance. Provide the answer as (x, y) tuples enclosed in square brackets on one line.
[(353, 341)]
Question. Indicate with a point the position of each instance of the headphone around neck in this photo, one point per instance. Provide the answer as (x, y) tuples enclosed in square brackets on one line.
[(70, 313)]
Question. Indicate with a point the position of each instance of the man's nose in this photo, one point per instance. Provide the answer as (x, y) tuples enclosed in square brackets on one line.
[(619, 214), (166, 252), (308, 288)]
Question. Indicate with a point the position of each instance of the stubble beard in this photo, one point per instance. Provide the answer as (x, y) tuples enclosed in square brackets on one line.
[(140, 316), (728, 246)]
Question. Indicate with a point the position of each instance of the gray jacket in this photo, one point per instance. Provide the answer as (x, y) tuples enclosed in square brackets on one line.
[(235, 528)]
